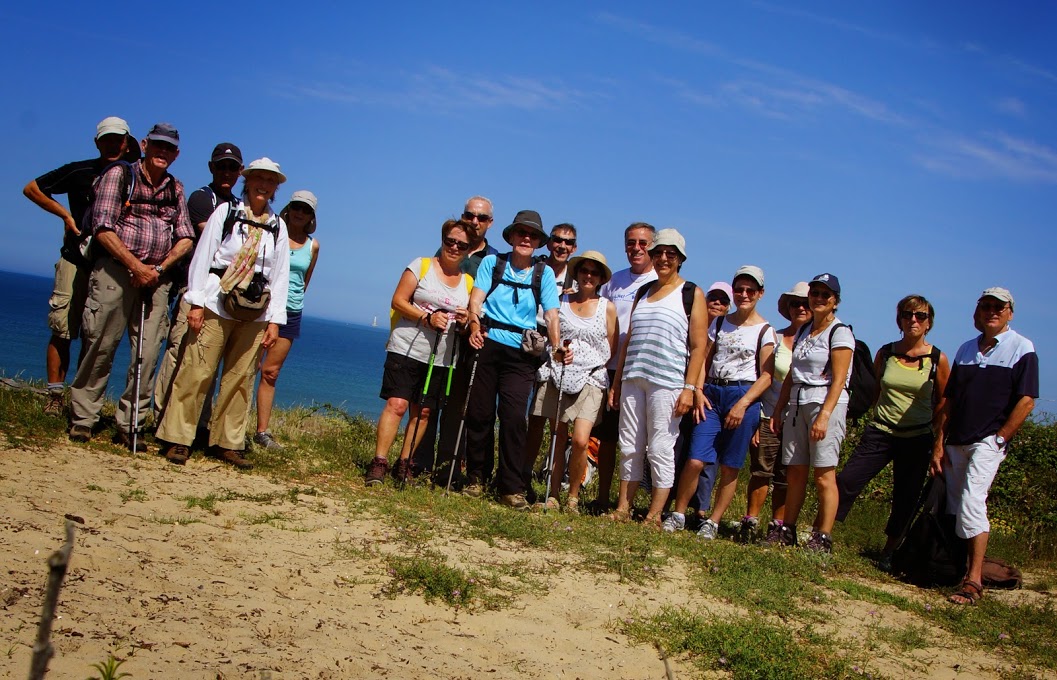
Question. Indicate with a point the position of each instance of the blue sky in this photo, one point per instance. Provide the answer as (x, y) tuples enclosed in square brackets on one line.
[(904, 146)]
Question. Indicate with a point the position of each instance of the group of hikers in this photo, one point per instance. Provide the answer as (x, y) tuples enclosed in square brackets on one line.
[(691, 383), (216, 277)]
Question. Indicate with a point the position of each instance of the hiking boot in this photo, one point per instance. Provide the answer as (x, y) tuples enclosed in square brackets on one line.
[(774, 533), (177, 454), (884, 563), (55, 403), (820, 542), (402, 470), (675, 521), (709, 530), (122, 439), (265, 440), (235, 458), (515, 501), (749, 529), (788, 535), (80, 434), (376, 472)]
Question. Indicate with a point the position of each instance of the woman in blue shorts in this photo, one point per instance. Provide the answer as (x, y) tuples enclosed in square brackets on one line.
[(738, 368), (300, 217)]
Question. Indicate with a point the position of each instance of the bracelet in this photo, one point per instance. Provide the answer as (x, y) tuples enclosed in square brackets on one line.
[(688, 386)]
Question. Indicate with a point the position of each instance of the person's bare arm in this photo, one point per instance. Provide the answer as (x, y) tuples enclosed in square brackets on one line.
[(142, 274), (841, 364), (312, 264), (33, 193)]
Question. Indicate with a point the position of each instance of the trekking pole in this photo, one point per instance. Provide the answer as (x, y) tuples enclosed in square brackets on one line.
[(421, 403), (133, 425), (462, 420), (554, 428)]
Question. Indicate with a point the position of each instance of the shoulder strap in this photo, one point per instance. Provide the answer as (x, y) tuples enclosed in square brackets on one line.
[(537, 282), (759, 346), (235, 216), (688, 298), (934, 360), (426, 262), (715, 344), (829, 361), (497, 272)]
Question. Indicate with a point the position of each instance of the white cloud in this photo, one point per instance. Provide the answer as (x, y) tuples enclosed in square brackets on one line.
[(992, 155), (1012, 106)]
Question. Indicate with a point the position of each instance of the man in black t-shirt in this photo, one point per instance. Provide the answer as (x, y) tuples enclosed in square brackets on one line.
[(225, 165), (71, 273)]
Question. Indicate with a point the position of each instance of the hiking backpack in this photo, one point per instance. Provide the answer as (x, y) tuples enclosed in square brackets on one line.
[(688, 296), (929, 551)]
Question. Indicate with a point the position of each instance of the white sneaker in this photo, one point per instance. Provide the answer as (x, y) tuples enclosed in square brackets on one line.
[(708, 530), (674, 522)]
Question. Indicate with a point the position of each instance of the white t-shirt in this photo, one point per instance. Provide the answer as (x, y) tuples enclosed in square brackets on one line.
[(810, 356), (411, 339), (735, 354), (621, 290)]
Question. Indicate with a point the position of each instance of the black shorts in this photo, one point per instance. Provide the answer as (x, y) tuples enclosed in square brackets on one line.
[(608, 429), (291, 330), (404, 377)]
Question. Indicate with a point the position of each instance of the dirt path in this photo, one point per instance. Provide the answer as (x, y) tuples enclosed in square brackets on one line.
[(255, 588)]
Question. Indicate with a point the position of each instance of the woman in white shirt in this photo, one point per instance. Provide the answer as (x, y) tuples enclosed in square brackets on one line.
[(811, 410)]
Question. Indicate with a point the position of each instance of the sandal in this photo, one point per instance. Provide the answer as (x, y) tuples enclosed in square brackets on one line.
[(652, 522), (620, 515), (551, 504), (968, 593), (572, 506)]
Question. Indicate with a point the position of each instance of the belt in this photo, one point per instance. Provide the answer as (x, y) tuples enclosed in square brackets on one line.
[(723, 382)]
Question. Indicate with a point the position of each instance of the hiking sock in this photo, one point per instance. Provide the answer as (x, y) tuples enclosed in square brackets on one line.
[(56, 387)]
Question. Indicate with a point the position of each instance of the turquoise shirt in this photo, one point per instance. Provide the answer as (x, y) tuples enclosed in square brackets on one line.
[(500, 304), (300, 261)]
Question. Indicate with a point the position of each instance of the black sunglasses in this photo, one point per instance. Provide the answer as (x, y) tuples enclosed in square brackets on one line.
[(907, 315), (558, 240), (463, 246), (469, 217)]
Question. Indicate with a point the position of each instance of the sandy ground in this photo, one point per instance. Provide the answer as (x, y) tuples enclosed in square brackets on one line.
[(227, 596)]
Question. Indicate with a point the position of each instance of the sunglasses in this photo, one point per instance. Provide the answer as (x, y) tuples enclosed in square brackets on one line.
[(227, 166), (665, 253), (718, 298), (991, 306), (482, 217), (558, 240), (591, 271), (821, 294), (518, 232), (641, 243), (907, 315), (301, 208), (449, 242), (746, 290), (798, 302)]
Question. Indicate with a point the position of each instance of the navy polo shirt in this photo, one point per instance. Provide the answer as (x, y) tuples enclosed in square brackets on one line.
[(984, 387)]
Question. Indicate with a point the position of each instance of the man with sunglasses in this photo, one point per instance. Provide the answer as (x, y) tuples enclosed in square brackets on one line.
[(141, 229), (991, 391), (620, 290), (479, 214), (561, 245), (225, 165)]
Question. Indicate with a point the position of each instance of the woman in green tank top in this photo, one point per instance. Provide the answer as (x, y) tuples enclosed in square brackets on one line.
[(911, 374)]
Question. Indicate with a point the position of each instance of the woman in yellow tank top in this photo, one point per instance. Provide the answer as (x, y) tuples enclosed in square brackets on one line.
[(911, 374)]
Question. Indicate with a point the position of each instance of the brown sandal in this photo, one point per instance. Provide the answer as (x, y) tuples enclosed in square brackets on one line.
[(620, 516), (968, 592)]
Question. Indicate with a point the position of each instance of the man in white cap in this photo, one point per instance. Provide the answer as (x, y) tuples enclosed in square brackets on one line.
[(225, 164), (71, 271), (141, 229), (992, 389)]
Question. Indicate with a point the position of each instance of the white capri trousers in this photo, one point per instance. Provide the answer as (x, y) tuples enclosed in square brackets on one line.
[(648, 430), (972, 469)]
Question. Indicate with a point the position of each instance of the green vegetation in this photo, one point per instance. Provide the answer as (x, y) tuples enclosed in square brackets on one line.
[(753, 611)]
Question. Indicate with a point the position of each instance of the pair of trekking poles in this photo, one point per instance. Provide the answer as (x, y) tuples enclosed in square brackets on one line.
[(425, 391)]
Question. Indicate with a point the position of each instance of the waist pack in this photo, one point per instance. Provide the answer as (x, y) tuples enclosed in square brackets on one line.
[(248, 304)]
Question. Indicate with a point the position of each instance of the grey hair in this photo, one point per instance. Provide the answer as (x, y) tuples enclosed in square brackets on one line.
[(481, 198), (641, 225)]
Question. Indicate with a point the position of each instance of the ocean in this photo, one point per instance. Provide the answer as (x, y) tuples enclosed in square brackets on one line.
[(333, 362)]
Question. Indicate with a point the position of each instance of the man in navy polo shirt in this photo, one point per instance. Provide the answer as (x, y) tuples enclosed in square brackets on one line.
[(71, 271), (991, 391)]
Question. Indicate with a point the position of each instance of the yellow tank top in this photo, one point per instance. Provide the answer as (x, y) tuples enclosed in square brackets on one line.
[(904, 408)]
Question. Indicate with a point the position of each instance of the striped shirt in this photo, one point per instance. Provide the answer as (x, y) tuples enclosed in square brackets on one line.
[(147, 230), (658, 346)]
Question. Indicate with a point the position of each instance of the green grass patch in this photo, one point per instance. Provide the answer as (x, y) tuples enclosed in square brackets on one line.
[(176, 520), (136, 494)]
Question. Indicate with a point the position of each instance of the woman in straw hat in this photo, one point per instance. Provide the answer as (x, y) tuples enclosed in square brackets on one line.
[(237, 288), (590, 323)]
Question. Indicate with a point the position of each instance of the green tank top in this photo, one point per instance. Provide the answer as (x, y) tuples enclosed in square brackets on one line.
[(904, 408)]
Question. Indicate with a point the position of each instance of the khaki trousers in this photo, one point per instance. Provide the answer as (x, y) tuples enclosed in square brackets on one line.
[(111, 310), (238, 343), (66, 304), (167, 368)]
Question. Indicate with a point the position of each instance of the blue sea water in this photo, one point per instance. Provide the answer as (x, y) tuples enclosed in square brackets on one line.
[(332, 362)]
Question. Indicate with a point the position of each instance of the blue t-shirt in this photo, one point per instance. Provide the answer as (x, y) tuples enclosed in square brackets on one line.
[(500, 306)]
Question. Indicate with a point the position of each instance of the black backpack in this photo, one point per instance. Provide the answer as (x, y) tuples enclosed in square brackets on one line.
[(929, 552), (862, 384), (688, 295), (236, 216)]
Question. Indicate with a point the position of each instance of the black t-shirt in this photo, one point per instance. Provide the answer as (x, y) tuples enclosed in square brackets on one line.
[(201, 204), (75, 180)]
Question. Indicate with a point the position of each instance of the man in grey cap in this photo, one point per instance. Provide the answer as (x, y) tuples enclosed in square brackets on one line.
[(71, 271), (225, 164), (140, 226), (992, 389)]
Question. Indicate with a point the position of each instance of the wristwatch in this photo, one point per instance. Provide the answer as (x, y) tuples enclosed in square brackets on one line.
[(688, 386), (158, 268), (1001, 441)]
